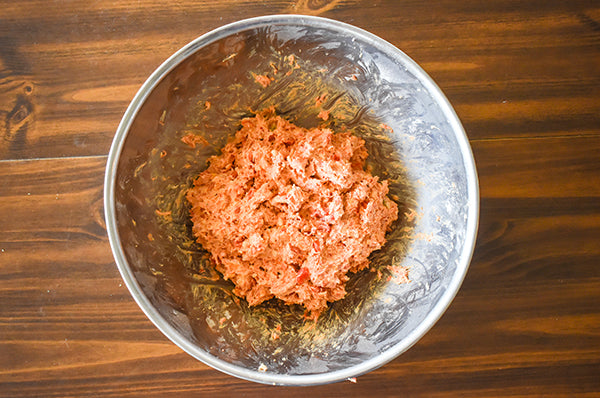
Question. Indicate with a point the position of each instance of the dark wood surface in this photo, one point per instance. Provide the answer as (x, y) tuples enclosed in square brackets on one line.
[(524, 77)]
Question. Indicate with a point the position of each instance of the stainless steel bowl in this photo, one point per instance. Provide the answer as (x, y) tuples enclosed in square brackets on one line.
[(414, 138)]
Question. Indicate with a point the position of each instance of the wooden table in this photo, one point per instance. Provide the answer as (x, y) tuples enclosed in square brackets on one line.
[(524, 77)]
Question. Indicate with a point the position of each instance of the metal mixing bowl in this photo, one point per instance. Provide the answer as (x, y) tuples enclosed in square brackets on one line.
[(414, 139)]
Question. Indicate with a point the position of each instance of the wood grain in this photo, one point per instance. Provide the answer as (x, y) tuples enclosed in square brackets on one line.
[(529, 302), (508, 70), (524, 78)]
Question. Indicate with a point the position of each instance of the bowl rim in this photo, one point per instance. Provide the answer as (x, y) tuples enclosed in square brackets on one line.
[(255, 375)]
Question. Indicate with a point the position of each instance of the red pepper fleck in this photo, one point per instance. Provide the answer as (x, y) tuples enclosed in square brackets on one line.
[(316, 246), (302, 276)]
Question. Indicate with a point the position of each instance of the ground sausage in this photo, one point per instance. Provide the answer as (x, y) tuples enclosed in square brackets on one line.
[(288, 212)]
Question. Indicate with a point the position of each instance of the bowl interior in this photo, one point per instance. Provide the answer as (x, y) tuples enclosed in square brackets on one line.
[(414, 141)]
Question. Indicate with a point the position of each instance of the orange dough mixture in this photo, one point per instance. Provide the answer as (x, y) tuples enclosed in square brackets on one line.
[(287, 212)]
